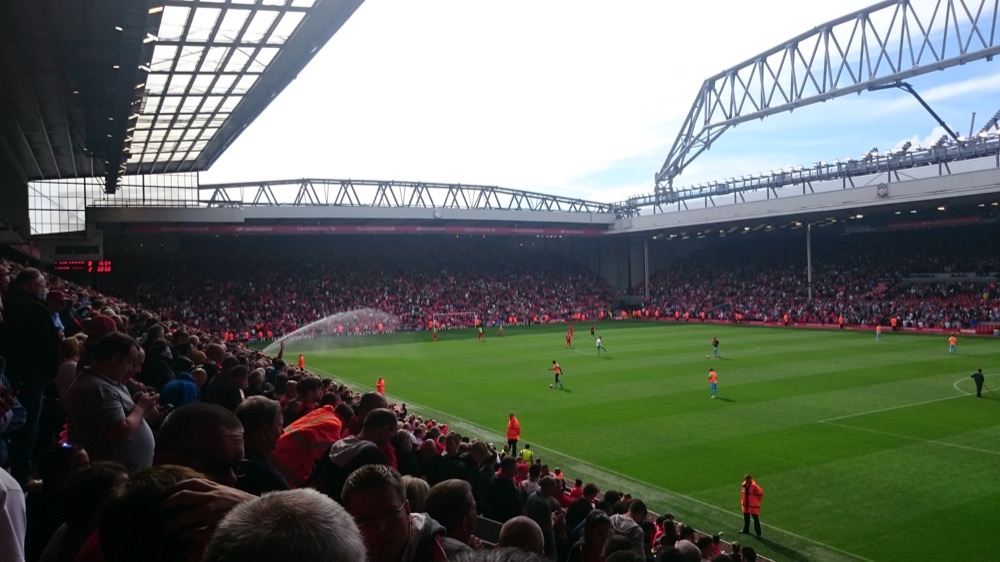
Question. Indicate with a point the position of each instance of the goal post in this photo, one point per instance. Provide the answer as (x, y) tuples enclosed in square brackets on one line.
[(454, 320)]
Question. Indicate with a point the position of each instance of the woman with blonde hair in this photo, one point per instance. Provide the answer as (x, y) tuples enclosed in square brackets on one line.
[(417, 490)]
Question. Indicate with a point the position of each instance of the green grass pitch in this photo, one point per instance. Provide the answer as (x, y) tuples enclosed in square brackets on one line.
[(865, 450)]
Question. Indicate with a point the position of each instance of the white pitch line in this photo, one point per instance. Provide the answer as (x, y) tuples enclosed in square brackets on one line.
[(496, 437), (955, 386), (901, 436), (889, 408)]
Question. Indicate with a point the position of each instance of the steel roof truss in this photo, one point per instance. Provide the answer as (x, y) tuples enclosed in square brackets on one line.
[(853, 53), (265, 193), (307, 194), (347, 195)]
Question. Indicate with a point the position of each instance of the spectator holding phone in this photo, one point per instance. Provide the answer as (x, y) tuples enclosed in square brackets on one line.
[(103, 416)]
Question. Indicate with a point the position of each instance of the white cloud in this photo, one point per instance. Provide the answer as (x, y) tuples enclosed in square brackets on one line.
[(542, 96)]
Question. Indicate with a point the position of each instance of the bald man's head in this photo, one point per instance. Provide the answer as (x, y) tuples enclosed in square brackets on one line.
[(522, 532)]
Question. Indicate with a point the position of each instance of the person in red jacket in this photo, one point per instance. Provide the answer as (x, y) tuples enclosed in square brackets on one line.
[(750, 501), (513, 433)]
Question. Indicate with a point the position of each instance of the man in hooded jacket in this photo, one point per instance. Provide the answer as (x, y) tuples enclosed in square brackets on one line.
[(354, 451)]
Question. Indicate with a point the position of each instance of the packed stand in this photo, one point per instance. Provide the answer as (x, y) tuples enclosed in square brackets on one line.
[(226, 288), (142, 439), (950, 283)]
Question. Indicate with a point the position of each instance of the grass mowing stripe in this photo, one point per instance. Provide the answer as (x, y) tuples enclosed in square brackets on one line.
[(652, 493), (828, 420), (643, 421), (910, 437)]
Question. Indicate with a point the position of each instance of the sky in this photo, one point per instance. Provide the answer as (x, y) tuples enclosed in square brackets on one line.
[(578, 98)]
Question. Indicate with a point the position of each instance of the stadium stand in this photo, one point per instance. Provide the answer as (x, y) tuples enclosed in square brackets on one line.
[(412, 280), (181, 321)]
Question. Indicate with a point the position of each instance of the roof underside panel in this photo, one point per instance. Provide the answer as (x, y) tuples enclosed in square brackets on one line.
[(104, 88), (216, 65), (67, 75)]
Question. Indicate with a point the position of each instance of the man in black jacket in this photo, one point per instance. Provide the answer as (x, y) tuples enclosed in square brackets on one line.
[(502, 501), (29, 342)]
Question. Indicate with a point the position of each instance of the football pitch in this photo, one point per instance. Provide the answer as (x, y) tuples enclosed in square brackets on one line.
[(866, 450)]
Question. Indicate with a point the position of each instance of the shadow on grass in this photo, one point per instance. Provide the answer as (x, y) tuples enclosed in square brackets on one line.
[(724, 399), (564, 389), (783, 552)]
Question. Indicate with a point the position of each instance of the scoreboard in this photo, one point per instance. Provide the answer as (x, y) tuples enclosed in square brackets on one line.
[(82, 266)]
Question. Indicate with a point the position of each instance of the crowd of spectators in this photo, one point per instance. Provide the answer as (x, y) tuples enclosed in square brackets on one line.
[(227, 288), (157, 441), (142, 433), (944, 282), (923, 279)]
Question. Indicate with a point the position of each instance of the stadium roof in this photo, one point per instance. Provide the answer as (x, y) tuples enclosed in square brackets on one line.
[(108, 87)]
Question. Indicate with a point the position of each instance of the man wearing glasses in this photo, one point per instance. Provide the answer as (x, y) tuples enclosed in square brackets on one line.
[(375, 496)]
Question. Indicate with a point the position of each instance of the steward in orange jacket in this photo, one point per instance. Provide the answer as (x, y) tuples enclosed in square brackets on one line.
[(513, 433), (750, 502), (304, 441)]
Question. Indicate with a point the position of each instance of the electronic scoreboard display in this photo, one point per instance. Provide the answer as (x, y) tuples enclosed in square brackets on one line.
[(82, 266)]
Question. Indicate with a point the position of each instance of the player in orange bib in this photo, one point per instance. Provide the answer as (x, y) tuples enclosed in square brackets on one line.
[(557, 371), (713, 381)]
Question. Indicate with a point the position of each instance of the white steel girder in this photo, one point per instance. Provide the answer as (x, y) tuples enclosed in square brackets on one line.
[(882, 44), (393, 194)]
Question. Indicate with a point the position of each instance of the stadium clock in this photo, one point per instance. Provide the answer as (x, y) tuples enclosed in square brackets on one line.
[(82, 266)]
